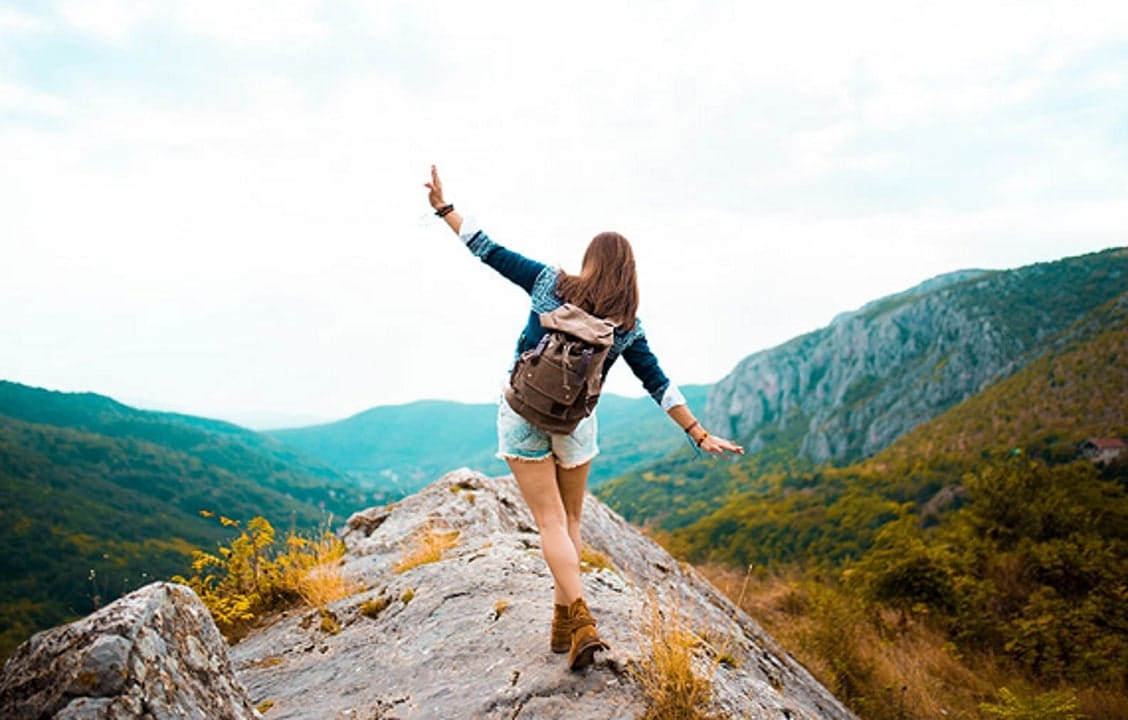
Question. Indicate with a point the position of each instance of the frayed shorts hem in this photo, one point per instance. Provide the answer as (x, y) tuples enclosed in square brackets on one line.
[(565, 466)]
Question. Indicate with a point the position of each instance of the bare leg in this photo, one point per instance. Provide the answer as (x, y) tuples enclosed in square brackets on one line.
[(572, 483), (537, 481)]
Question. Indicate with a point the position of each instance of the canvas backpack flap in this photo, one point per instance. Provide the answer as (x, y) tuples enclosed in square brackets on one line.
[(557, 383), (580, 324)]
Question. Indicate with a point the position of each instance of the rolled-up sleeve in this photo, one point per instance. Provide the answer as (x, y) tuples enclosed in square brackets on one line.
[(513, 266)]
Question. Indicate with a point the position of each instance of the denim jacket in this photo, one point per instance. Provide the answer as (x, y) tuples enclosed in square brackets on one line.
[(539, 280)]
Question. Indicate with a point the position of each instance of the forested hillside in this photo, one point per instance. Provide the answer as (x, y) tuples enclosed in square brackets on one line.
[(97, 497)]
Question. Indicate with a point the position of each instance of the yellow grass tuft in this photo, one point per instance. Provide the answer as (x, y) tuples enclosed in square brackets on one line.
[(315, 569), (426, 546), (329, 622), (674, 689), (500, 607), (592, 559), (372, 608)]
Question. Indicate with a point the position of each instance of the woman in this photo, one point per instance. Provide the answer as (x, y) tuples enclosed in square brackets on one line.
[(551, 470)]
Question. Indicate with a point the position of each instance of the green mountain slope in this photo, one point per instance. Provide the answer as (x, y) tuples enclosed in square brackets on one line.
[(90, 485), (1077, 390), (849, 390)]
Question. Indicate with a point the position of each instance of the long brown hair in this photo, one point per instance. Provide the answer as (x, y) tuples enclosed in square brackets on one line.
[(607, 285)]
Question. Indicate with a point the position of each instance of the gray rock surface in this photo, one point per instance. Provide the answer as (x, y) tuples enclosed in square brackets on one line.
[(467, 636), (153, 654)]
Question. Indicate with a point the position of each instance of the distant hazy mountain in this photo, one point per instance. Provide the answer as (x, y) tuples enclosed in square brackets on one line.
[(402, 448)]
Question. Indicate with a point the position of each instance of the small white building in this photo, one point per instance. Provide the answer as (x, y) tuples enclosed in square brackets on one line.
[(1103, 450)]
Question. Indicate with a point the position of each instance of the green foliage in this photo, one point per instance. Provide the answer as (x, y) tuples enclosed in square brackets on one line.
[(1053, 705), (1045, 585), (904, 571)]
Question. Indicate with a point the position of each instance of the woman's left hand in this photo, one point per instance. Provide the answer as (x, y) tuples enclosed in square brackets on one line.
[(719, 446), (435, 190)]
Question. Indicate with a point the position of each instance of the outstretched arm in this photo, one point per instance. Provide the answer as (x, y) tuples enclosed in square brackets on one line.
[(644, 365), (435, 197)]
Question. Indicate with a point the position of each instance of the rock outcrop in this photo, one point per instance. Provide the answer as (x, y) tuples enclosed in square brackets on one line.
[(153, 654), (850, 389), (467, 636), (464, 635)]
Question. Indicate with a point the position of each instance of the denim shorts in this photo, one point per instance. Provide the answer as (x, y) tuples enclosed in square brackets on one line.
[(519, 439)]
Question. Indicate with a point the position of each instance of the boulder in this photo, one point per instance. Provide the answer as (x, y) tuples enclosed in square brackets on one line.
[(152, 654)]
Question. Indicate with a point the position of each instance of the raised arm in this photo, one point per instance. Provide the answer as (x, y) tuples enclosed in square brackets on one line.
[(514, 266)]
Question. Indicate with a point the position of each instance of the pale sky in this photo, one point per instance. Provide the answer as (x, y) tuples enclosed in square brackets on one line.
[(217, 207)]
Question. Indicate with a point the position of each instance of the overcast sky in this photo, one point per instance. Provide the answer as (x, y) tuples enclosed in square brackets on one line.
[(217, 207)]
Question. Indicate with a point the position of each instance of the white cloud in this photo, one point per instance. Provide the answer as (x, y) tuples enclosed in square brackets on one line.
[(112, 21), (15, 22)]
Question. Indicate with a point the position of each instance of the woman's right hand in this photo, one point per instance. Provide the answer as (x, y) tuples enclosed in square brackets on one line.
[(719, 446), (435, 190)]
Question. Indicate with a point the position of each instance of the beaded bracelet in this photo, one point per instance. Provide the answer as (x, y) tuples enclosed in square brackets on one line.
[(444, 210), (702, 438)]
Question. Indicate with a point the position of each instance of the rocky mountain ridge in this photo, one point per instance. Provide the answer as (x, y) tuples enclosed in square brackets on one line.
[(848, 390), (466, 636)]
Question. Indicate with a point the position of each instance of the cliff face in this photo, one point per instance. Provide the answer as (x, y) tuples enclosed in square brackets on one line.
[(849, 389), (465, 636)]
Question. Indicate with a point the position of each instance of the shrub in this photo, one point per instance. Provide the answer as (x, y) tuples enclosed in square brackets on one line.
[(1053, 705), (244, 581)]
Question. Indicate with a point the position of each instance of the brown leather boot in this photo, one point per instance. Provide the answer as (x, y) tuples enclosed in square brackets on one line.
[(585, 640), (561, 630)]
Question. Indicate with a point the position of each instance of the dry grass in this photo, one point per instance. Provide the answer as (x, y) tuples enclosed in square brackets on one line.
[(329, 623), (426, 546), (315, 567), (1099, 704), (592, 559), (372, 608), (673, 687), (883, 665), (887, 666)]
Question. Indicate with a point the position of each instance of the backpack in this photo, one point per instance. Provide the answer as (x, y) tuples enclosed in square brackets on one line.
[(556, 384)]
